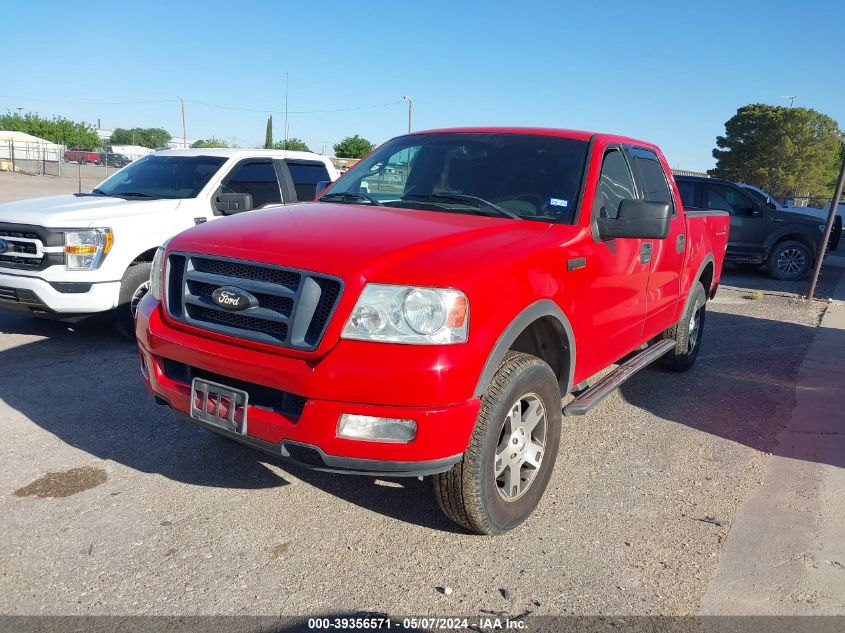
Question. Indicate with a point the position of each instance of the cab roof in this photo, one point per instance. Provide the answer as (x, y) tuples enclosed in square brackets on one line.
[(580, 135), (241, 153)]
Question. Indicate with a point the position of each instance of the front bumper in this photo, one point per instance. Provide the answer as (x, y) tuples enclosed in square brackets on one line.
[(307, 436), (313, 457), (34, 295)]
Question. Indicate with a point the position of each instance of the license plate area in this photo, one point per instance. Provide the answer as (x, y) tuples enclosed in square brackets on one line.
[(219, 405)]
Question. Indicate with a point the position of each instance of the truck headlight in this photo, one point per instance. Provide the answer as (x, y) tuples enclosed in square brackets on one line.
[(86, 249), (157, 273), (409, 314)]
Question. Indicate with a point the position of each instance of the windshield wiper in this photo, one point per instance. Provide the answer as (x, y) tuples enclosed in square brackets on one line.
[(459, 197), (351, 196), (133, 194)]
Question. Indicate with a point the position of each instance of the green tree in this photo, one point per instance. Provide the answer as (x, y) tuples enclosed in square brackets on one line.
[(210, 142), (56, 130), (786, 151), (268, 134), (353, 147), (292, 144), (152, 137)]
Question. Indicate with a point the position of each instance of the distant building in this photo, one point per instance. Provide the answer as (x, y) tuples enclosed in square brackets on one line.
[(685, 172), (23, 146), (177, 143), (343, 165)]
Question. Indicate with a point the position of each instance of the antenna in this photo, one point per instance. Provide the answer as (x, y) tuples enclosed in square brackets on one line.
[(286, 114), (791, 98)]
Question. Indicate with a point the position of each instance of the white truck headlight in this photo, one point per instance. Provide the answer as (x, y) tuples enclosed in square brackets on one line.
[(86, 249), (157, 273), (409, 314)]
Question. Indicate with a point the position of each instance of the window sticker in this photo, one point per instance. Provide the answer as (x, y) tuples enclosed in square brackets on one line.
[(558, 202)]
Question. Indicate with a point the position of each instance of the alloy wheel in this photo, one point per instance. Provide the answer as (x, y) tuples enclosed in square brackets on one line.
[(140, 292), (791, 261), (521, 447)]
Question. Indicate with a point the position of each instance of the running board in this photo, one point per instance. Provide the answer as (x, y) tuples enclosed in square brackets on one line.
[(604, 387)]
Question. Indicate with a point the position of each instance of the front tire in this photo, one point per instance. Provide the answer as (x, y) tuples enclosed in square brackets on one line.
[(687, 332), (133, 287), (789, 260), (512, 451)]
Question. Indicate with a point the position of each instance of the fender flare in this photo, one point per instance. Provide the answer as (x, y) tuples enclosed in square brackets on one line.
[(537, 310), (708, 259), (791, 229)]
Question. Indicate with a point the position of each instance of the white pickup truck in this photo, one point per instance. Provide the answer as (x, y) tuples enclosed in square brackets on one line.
[(71, 256)]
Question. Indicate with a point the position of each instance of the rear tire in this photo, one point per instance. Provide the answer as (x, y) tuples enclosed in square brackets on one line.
[(687, 332), (133, 288), (512, 451), (789, 260)]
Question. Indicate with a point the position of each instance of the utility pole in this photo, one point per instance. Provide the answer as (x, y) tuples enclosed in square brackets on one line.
[(410, 111), (831, 217), (791, 98), (184, 129), (19, 109)]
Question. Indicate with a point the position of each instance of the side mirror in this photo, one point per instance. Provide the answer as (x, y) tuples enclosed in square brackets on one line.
[(231, 203), (641, 219), (322, 185)]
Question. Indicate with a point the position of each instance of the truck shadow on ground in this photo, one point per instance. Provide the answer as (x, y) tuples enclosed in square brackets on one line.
[(742, 387), (82, 385)]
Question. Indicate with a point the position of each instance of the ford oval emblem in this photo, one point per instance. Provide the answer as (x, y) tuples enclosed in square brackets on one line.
[(4, 246), (234, 299)]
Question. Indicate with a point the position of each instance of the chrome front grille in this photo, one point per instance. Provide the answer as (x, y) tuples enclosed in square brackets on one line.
[(292, 308), (23, 249)]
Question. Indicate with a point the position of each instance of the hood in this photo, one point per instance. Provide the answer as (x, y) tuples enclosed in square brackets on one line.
[(357, 242), (802, 213), (79, 211), (812, 212)]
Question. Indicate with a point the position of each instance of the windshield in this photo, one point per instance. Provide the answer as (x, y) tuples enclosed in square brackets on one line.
[(162, 177), (758, 196), (504, 175)]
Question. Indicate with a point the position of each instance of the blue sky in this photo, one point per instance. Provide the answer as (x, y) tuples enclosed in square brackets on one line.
[(668, 72)]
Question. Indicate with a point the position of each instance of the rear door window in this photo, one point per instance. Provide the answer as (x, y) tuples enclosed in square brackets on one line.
[(305, 177), (654, 180), (258, 179), (615, 185)]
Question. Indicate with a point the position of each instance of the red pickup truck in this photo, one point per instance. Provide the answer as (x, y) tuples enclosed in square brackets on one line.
[(428, 312), (82, 156)]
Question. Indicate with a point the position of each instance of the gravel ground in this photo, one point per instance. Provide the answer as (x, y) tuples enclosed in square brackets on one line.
[(148, 515), (108, 505)]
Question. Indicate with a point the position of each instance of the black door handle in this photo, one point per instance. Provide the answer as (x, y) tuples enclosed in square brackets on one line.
[(645, 252), (682, 241)]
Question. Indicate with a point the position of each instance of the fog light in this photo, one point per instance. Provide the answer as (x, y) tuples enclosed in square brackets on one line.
[(367, 427)]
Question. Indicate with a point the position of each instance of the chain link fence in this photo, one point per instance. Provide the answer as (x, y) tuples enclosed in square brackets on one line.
[(814, 202), (40, 159)]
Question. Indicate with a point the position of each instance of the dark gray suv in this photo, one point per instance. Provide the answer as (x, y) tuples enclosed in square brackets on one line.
[(786, 242)]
